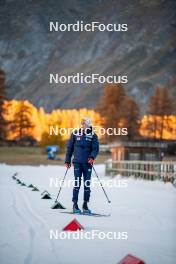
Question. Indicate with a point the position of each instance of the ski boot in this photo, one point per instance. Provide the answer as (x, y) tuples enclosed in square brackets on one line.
[(76, 209), (85, 208)]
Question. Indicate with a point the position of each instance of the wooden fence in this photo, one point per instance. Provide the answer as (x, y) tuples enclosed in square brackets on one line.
[(151, 170)]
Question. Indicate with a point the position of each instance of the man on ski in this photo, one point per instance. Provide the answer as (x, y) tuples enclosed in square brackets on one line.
[(84, 145)]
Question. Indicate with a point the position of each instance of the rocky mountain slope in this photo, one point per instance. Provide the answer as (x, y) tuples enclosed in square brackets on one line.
[(29, 52)]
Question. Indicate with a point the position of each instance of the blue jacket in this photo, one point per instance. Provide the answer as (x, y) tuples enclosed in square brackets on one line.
[(82, 147)]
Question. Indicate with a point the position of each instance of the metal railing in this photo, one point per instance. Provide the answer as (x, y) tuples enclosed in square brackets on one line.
[(151, 170)]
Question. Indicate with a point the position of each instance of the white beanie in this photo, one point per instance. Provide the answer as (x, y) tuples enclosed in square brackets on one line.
[(87, 121)]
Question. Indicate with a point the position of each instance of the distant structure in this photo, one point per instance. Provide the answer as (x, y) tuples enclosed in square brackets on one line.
[(138, 150), (141, 159)]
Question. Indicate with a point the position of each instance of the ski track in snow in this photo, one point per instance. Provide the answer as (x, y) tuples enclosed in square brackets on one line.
[(145, 209), (31, 230), (25, 214)]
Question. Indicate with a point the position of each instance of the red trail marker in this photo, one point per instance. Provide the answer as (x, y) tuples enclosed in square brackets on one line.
[(129, 259), (74, 225)]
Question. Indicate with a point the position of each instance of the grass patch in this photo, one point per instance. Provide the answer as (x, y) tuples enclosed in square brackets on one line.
[(34, 156)]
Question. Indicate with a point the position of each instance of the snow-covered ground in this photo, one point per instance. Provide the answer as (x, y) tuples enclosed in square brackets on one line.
[(145, 210)]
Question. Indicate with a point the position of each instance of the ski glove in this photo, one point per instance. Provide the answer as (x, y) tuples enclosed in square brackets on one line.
[(91, 161), (67, 165)]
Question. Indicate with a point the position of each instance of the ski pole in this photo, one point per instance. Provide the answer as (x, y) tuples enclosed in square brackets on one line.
[(61, 185), (101, 185)]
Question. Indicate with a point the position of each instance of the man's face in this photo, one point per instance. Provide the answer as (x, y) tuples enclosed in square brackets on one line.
[(84, 126)]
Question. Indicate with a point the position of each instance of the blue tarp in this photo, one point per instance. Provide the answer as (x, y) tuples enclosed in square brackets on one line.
[(52, 151)]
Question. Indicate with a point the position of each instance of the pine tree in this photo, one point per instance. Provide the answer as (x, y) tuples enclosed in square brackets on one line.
[(167, 108), (22, 124), (153, 109), (110, 105), (3, 122), (117, 109), (131, 117)]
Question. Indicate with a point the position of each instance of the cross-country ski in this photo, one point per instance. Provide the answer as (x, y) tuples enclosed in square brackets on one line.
[(87, 214)]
